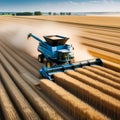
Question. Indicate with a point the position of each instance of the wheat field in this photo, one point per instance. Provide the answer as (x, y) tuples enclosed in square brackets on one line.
[(88, 93)]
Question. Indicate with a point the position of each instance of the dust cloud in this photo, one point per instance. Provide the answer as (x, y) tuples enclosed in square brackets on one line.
[(16, 33)]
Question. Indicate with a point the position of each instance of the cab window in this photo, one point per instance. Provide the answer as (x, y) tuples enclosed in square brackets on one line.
[(63, 56)]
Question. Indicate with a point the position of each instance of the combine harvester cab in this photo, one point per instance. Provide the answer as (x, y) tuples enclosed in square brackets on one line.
[(57, 56)]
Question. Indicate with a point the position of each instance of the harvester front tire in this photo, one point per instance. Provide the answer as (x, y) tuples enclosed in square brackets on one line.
[(40, 58), (48, 64)]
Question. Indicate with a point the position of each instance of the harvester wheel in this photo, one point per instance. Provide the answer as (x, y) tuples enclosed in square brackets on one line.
[(40, 58), (48, 64), (72, 60)]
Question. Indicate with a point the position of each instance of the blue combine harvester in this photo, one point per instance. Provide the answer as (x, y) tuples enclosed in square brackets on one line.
[(57, 56)]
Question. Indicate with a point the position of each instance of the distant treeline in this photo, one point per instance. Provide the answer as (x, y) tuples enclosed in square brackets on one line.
[(40, 13), (61, 13), (56, 13), (28, 13), (34, 13)]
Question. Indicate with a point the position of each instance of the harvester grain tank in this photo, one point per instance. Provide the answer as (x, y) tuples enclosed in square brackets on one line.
[(57, 56)]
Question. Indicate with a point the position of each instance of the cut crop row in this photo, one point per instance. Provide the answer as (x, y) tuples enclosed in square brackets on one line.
[(98, 77), (96, 84), (68, 102), (108, 71), (105, 103), (102, 73)]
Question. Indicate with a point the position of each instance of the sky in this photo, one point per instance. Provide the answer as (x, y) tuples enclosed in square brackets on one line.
[(60, 5)]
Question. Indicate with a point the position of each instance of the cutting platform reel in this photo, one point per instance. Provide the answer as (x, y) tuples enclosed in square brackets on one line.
[(49, 72)]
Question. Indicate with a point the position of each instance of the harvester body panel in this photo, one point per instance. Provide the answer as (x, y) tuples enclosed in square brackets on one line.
[(51, 52)]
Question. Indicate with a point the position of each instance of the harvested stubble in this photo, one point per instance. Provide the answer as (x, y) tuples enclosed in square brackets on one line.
[(24, 55), (110, 34), (108, 71), (20, 101), (98, 77), (21, 61), (75, 107), (102, 45), (111, 65), (96, 84), (105, 103), (101, 38), (44, 110), (7, 106), (115, 58), (86, 21), (21, 69), (104, 74)]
